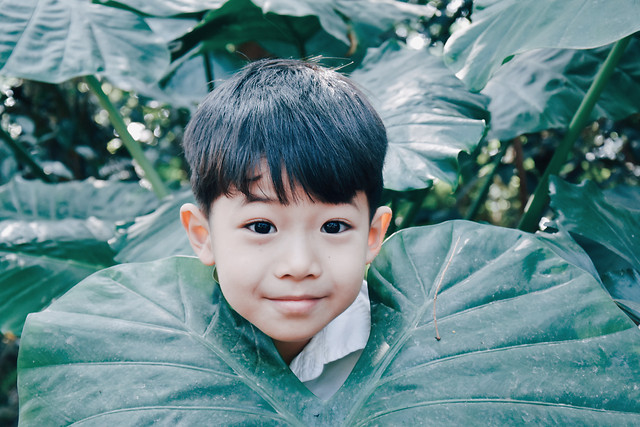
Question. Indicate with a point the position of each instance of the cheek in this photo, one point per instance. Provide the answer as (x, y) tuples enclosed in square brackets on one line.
[(238, 295), (349, 255), (347, 267)]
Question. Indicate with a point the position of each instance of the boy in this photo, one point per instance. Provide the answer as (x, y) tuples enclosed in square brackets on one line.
[(286, 160)]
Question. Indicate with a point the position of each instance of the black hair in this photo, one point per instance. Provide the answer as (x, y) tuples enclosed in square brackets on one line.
[(300, 119)]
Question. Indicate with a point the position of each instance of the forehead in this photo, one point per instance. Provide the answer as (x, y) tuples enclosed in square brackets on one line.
[(262, 190), (262, 193)]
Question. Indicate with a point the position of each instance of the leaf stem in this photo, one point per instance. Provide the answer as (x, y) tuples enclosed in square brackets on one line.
[(208, 69), (416, 204), (475, 207), (531, 218), (23, 156), (523, 192), (132, 146)]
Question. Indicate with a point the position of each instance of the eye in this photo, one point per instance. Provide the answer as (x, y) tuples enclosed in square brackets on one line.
[(261, 227), (334, 227)]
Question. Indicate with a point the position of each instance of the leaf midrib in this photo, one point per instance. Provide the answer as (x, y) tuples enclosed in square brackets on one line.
[(177, 408), (402, 339), (496, 401)]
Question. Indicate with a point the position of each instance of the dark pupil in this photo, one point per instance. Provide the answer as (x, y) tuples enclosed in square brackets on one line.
[(262, 227), (332, 227)]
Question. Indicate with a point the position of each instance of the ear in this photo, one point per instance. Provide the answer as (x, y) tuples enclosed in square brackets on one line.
[(377, 230), (197, 227)]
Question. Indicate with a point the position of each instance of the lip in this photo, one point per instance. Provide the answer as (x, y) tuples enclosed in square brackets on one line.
[(295, 305)]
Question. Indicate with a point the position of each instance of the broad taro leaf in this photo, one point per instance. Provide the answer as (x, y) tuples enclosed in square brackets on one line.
[(287, 20), (542, 89), (525, 337), (509, 27), (166, 8), (55, 40), (187, 80), (285, 28), (624, 287), (53, 236), (607, 225), (561, 242), (429, 114), (603, 217), (156, 235)]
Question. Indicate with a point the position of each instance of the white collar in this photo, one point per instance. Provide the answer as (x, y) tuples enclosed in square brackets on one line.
[(345, 334)]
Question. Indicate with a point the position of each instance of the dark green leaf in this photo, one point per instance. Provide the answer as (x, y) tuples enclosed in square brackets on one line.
[(607, 226), (624, 287), (109, 201), (55, 40), (51, 238), (166, 8), (186, 82), (561, 242), (156, 235), (526, 338), (41, 260), (368, 18), (600, 216), (542, 89), (430, 116), (285, 28), (510, 27)]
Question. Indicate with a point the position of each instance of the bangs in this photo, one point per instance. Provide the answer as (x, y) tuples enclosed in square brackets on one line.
[(309, 126), (326, 155)]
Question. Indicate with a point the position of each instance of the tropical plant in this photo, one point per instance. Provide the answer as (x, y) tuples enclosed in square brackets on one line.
[(469, 358), (512, 112)]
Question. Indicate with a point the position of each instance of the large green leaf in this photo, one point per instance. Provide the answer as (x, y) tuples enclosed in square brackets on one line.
[(41, 260), (110, 201), (366, 18), (187, 81), (166, 8), (430, 116), (624, 287), (603, 217), (53, 236), (156, 235), (285, 28), (542, 89), (509, 27), (607, 224), (55, 40), (525, 338)]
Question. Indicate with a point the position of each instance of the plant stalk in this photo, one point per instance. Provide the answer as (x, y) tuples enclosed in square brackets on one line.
[(531, 218), (132, 146), (208, 71), (482, 195), (523, 192), (23, 156), (416, 205)]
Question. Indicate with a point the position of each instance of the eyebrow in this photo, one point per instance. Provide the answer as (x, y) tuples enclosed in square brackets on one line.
[(252, 198)]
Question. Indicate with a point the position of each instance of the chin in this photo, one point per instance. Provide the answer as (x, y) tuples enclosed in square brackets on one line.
[(293, 337)]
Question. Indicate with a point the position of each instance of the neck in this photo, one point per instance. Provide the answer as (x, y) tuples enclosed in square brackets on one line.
[(289, 350)]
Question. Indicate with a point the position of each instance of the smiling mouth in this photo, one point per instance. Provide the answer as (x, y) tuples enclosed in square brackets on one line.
[(296, 305)]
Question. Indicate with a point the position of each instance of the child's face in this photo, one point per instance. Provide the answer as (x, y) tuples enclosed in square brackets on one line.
[(288, 269)]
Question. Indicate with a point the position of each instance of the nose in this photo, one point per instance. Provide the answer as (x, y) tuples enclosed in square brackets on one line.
[(298, 258)]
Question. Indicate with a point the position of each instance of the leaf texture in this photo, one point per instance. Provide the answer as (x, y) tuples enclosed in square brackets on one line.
[(525, 337), (509, 27)]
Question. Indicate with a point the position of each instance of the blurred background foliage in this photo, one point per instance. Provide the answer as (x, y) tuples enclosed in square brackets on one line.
[(60, 132), (64, 129)]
